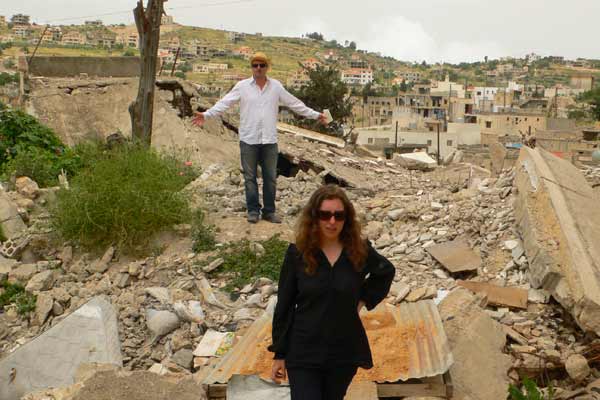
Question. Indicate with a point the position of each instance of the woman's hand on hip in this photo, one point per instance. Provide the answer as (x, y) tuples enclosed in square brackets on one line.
[(361, 304), (278, 371)]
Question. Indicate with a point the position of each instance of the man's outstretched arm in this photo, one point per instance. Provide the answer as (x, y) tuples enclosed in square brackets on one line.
[(297, 106), (219, 108)]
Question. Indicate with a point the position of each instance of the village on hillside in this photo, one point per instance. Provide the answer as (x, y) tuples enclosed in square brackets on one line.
[(129, 269)]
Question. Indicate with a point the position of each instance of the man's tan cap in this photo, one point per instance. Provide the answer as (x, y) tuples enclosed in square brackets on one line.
[(260, 57)]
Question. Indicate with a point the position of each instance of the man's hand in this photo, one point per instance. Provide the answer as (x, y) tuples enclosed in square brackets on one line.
[(322, 119), (361, 304), (278, 371), (198, 119)]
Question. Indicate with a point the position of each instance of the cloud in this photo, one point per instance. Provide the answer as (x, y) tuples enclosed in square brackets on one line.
[(399, 37)]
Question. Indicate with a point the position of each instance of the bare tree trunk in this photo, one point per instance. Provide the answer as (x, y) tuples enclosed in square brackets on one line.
[(142, 109)]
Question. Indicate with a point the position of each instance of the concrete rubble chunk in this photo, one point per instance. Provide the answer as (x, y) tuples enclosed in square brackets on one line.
[(477, 344), (88, 335), (161, 322), (40, 281), (101, 265), (22, 273), (242, 387), (577, 367), (10, 221), (559, 221), (455, 256), (43, 307), (27, 187)]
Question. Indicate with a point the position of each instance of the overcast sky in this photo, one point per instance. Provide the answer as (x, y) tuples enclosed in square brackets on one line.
[(416, 30)]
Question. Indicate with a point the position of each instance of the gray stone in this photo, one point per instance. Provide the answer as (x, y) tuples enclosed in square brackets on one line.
[(6, 265), (242, 314), (161, 322), (416, 256), (190, 311), (90, 334), (184, 358), (159, 293), (577, 367), (40, 281)]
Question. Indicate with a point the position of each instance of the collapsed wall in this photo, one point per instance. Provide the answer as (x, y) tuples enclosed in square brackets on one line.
[(91, 109), (559, 220)]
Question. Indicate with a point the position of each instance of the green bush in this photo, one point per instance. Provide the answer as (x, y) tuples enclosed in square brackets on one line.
[(29, 148), (15, 294), (244, 265), (122, 198), (6, 78), (529, 391), (203, 235)]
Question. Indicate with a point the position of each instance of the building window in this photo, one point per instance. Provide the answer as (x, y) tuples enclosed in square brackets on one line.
[(370, 141), (429, 143), (488, 124), (448, 142)]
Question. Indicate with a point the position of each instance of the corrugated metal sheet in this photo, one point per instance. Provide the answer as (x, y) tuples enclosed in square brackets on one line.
[(407, 341)]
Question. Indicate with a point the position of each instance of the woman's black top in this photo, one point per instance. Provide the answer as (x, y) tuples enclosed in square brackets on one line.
[(316, 321)]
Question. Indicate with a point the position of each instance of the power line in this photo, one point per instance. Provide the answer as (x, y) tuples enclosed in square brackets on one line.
[(222, 3)]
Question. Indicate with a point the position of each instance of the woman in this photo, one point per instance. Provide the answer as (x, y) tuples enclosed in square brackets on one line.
[(318, 338)]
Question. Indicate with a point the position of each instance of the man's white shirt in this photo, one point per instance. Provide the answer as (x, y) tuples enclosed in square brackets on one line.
[(259, 108)]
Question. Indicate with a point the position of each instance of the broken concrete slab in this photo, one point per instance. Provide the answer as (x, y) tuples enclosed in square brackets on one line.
[(455, 256), (558, 218), (477, 344), (89, 334), (362, 391), (419, 160), (310, 135), (498, 295)]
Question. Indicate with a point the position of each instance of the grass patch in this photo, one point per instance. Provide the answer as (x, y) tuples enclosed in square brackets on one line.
[(203, 235), (15, 294), (123, 197), (244, 264)]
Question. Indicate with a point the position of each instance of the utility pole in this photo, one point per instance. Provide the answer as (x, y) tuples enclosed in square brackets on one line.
[(438, 143), (141, 109), (396, 145)]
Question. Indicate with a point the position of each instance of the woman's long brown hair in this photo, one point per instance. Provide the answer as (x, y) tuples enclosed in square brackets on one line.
[(308, 233)]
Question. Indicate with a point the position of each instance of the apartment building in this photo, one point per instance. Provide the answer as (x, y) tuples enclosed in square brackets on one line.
[(73, 38), (20, 19), (357, 76)]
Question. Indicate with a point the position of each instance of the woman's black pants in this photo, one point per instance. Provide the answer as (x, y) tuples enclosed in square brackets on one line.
[(320, 384)]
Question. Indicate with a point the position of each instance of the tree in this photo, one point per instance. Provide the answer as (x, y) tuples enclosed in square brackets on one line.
[(142, 109), (316, 36), (352, 45), (592, 97), (325, 90)]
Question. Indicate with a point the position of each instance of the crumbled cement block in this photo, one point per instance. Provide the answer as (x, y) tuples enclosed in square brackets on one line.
[(88, 335)]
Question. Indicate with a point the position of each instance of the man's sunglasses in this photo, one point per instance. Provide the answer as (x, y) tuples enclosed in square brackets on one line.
[(326, 215), (262, 65)]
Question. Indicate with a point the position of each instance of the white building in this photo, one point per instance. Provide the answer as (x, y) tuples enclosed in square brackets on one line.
[(483, 97), (357, 76), (444, 87)]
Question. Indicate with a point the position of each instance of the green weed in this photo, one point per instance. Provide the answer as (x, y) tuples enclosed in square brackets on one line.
[(244, 265), (203, 235), (529, 391), (15, 294)]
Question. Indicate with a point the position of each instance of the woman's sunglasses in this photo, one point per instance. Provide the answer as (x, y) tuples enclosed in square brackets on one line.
[(262, 65), (326, 215)]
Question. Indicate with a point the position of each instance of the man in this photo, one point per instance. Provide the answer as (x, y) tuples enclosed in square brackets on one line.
[(259, 99)]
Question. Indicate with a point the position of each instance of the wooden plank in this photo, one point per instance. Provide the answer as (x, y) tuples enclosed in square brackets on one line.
[(362, 391), (386, 390), (498, 295), (217, 391)]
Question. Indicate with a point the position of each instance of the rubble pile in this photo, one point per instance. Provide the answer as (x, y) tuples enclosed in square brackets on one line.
[(171, 311)]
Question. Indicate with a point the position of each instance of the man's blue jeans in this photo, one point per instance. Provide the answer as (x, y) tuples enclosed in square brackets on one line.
[(266, 156)]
